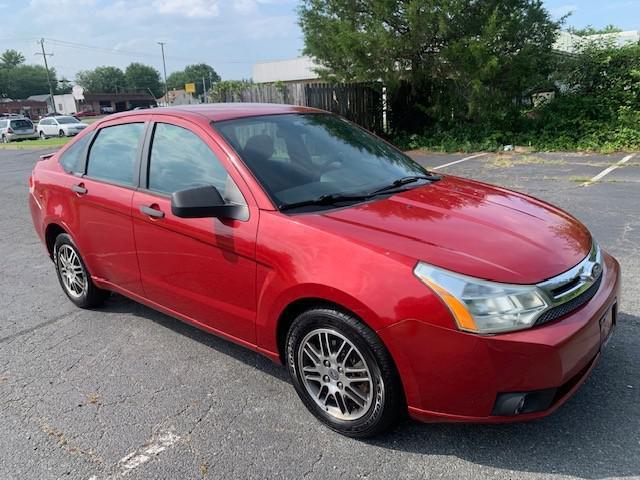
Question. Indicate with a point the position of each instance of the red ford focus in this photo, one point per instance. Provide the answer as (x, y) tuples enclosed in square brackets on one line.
[(384, 288)]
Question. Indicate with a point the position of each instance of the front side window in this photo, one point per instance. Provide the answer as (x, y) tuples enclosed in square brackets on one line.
[(180, 160), (114, 152), (300, 157), (72, 160), (66, 120)]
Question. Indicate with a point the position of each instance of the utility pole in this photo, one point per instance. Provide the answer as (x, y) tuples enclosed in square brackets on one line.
[(46, 67), (164, 68), (204, 91)]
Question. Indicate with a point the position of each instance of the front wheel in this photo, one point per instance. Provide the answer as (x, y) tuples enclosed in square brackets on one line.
[(61, 133), (343, 373), (42, 135), (74, 276)]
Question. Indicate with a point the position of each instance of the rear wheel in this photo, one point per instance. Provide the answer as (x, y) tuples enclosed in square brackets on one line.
[(74, 276), (343, 373), (42, 135), (5, 139), (61, 133)]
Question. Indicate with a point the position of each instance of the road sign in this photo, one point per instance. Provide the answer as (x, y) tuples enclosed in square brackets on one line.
[(190, 87)]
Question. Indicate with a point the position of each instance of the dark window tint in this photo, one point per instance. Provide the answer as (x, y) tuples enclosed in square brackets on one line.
[(180, 160), (22, 124), (113, 154), (72, 160)]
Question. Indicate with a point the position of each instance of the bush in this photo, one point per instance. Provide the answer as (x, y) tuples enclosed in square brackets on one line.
[(598, 109)]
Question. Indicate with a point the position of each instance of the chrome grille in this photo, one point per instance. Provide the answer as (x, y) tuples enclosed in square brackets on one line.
[(572, 289)]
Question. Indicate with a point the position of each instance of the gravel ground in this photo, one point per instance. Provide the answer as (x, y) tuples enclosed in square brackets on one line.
[(126, 391)]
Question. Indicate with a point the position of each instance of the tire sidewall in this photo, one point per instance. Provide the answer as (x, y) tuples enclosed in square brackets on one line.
[(315, 319)]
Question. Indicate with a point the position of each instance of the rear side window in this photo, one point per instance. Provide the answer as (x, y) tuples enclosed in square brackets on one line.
[(180, 160), (114, 152), (72, 160)]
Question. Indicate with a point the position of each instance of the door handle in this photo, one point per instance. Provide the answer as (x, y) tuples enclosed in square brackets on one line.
[(79, 189), (152, 212)]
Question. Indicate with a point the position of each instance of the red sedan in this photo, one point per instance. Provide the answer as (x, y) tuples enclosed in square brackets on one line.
[(383, 287)]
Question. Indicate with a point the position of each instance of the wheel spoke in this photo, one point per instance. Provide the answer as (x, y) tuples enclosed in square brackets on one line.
[(335, 374)]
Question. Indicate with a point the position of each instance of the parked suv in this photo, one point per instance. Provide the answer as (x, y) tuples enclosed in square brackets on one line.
[(383, 287), (20, 128), (60, 126)]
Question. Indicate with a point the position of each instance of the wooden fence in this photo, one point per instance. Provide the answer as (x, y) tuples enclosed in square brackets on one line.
[(359, 102)]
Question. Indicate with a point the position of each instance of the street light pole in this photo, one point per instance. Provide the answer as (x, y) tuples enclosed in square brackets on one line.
[(46, 67), (164, 68)]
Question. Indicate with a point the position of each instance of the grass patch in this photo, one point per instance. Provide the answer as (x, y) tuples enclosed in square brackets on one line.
[(30, 144), (580, 179)]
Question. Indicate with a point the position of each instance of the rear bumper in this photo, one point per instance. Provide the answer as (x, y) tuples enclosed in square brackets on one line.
[(450, 375), (12, 137)]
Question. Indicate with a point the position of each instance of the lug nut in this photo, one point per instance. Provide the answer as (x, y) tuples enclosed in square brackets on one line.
[(340, 369), (327, 363), (325, 378), (340, 385)]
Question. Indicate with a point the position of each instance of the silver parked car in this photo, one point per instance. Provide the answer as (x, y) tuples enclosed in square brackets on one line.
[(20, 128), (60, 126)]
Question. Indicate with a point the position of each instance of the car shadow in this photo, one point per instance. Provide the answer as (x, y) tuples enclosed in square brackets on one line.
[(119, 304), (595, 435)]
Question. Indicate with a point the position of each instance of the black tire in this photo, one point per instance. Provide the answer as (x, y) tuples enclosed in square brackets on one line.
[(90, 296), (385, 391), (61, 133), (42, 135), (4, 139)]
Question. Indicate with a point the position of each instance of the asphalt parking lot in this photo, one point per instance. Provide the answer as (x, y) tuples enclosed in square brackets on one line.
[(125, 391)]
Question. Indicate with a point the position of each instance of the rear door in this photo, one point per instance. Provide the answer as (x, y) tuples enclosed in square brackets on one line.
[(201, 268), (103, 198)]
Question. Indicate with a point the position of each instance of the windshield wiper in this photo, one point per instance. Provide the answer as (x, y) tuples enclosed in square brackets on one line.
[(405, 180), (330, 199)]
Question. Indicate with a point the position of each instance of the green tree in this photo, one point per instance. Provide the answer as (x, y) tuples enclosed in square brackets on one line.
[(193, 74), (11, 58), (143, 77), (446, 60), (102, 80), (591, 30)]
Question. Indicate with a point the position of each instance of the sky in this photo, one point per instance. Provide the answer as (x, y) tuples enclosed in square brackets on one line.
[(230, 35)]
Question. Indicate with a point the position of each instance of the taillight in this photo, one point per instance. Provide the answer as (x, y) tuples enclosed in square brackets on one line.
[(30, 181)]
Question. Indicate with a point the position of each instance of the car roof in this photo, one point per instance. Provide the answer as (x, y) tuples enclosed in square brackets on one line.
[(216, 112)]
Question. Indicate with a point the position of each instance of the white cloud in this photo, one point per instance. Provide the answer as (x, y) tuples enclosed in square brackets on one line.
[(188, 8)]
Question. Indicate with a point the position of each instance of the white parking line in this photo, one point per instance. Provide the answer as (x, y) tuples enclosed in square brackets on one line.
[(608, 170), (459, 161)]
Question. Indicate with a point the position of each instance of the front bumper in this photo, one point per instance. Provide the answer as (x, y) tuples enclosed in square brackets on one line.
[(449, 375)]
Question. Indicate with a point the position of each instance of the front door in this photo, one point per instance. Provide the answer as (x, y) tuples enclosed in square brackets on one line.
[(204, 268)]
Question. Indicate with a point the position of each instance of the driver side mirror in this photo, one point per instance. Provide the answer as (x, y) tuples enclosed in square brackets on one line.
[(205, 202)]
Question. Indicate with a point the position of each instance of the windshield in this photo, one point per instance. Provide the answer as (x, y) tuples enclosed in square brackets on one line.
[(23, 123), (299, 157), (66, 120)]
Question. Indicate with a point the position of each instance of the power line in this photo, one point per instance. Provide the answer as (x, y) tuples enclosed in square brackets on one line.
[(130, 53)]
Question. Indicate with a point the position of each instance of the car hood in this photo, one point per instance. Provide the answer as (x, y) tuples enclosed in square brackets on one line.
[(467, 227)]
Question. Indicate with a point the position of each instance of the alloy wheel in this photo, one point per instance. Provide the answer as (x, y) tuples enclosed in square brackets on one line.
[(72, 273), (335, 374)]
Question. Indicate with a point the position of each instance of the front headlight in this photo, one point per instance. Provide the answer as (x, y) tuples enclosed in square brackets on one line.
[(481, 306)]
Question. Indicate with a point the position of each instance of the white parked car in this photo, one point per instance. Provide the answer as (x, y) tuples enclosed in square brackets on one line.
[(62, 126), (16, 128)]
